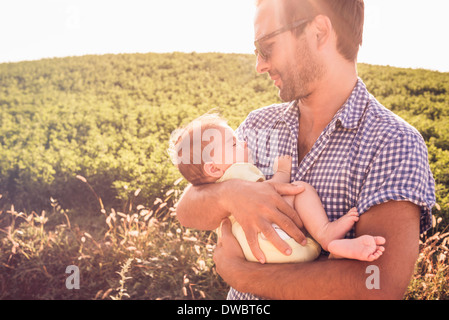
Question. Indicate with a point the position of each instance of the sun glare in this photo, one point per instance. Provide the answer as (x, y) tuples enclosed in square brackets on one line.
[(410, 36)]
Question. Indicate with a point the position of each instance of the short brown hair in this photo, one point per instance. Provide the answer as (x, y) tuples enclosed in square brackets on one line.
[(346, 16), (192, 171)]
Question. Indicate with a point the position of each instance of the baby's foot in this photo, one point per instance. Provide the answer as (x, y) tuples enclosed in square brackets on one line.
[(363, 248), (337, 229), (283, 164)]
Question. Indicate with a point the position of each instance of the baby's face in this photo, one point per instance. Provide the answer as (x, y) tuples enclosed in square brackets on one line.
[(228, 149)]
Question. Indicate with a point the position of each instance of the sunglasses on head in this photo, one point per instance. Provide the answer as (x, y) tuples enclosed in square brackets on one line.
[(261, 51)]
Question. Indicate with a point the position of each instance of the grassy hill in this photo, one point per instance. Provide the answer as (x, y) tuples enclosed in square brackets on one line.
[(79, 129), (108, 118)]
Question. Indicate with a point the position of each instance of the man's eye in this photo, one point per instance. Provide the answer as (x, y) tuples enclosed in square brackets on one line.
[(269, 49)]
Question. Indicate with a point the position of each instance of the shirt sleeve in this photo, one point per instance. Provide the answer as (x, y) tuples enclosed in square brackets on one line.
[(401, 172)]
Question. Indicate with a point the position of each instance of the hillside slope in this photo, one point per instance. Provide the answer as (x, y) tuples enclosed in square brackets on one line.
[(108, 118)]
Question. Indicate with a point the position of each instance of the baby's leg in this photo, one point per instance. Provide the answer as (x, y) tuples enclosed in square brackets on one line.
[(282, 234), (311, 211), (363, 248)]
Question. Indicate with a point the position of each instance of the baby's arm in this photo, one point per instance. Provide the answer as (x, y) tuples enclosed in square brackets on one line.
[(282, 168), (309, 207)]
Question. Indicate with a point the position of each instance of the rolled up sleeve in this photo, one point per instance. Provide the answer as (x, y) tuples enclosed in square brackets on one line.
[(401, 172)]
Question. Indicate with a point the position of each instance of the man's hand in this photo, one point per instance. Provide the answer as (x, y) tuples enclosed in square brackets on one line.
[(342, 279), (259, 205)]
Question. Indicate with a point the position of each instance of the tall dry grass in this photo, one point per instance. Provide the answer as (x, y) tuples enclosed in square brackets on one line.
[(431, 278), (143, 252)]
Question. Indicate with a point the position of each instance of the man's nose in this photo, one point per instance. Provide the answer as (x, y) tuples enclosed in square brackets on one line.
[(262, 65)]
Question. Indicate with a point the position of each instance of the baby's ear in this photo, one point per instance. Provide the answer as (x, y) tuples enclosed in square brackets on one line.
[(212, 170)]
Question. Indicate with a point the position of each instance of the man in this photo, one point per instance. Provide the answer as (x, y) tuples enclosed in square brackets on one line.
[(352, 150)]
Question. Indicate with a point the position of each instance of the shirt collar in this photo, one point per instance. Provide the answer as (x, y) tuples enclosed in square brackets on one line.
[(352, 110), (288, 116), (291, 115), (348, 115)]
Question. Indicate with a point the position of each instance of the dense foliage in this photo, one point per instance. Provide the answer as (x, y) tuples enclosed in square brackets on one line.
[(108, 118), (90, 134)]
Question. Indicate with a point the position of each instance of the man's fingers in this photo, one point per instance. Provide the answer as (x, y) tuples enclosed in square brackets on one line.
[(261, 210), (253, 242), (287, 209), (272, 236), (287, 189), (291, 228)]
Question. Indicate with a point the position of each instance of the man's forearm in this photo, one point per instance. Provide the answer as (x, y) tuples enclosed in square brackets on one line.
[(384, 278), (317, 280), (200, 207)]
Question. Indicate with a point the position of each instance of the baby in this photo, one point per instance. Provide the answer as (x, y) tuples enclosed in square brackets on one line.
[(218, 156)]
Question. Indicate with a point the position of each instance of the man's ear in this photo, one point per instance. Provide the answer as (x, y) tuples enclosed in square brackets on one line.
[(212, 170), (323, 29)]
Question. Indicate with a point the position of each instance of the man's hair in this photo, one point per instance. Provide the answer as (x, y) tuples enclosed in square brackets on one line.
[(182, 139), (346, 16)]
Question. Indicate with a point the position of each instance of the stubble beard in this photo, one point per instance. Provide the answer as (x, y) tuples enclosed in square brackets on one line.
[(300, 75)]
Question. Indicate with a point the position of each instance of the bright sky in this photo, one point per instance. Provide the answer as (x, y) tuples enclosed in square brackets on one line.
[(403, 33)]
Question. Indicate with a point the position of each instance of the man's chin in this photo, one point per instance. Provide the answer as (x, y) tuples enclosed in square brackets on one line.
[(284, 96)]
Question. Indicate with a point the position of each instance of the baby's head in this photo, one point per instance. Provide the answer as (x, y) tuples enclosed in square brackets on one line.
[(205, 149)]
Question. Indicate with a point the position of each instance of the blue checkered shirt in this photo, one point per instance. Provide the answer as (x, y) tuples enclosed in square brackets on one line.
[(365, 156)]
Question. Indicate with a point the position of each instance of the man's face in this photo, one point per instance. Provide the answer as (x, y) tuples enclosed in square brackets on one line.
[(291, 63)]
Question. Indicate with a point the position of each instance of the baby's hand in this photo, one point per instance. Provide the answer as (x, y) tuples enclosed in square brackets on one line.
[(283, 163)]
